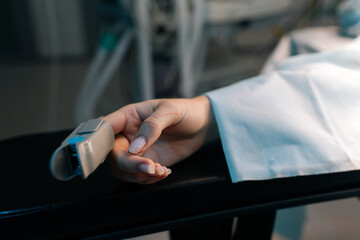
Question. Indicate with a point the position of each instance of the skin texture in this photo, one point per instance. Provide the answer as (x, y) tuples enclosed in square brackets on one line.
[(172, 129)]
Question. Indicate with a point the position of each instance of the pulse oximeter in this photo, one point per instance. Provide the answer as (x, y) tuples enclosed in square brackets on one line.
[(83, 150)]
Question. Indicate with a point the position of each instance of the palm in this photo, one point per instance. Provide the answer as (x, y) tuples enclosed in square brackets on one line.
[(172, 146), (159, 134), (168, 150)]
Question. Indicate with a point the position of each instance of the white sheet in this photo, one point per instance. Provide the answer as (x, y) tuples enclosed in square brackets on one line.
[(301, 119)]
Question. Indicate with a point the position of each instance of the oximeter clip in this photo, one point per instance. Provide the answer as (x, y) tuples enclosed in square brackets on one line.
[(83, 150)]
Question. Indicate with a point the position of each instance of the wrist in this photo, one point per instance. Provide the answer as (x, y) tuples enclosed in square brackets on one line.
[(210, 124), (205, 110)]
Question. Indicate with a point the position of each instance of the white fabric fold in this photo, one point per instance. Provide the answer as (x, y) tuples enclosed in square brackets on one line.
[(301, 119)]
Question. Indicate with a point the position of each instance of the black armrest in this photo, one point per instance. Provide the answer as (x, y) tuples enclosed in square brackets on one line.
[(199, 190)]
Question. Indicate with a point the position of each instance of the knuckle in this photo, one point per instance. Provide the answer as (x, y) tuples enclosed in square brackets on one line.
[(170, 105), (132, 110), (153, 122), (174, 107)]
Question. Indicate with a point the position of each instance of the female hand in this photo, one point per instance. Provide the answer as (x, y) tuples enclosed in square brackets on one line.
[(155, 134)]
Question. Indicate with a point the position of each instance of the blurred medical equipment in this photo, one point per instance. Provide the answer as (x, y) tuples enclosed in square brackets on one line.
[(100, 73), (301, 41), (181, 31), (110, 55), (349, 17), (327, 38)]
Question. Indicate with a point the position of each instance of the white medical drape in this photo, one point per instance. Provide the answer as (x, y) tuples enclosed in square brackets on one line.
[(302, 118)]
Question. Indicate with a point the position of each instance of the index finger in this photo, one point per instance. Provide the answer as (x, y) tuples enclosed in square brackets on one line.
[(117, 120)]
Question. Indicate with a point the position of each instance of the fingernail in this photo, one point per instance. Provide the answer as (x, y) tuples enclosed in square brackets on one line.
[(137, 144), (160, 170), (147, 168), (168, 171)]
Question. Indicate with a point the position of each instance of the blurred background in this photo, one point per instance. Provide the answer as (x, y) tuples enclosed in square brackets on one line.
[(65, 61)]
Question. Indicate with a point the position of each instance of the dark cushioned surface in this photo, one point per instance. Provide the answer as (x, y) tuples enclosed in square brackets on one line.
[(198, 190)]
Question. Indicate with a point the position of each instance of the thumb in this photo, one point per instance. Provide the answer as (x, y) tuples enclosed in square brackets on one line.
[(152, 127)]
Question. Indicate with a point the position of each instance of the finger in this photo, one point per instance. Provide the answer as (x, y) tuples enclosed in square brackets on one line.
[(133, 163), (159, 170), (117, 120), (152, 180), (139, 178), (122, 159), (152, 127), (129, 113)]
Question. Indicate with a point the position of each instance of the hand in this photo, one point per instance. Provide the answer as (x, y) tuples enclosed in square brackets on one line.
[(155, 134)]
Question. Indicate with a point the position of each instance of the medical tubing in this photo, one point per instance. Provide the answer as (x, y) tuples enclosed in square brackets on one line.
[(81, 114), (183, 53), (199, 61), (197, 49), (144, 50), (107, 74)]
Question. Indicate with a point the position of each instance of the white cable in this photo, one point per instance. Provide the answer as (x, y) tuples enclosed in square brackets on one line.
[(197, 49), (88, 110), (189, 49), (88, 84), (55, 65), (144, 50), (184, 57), (109, 71), (197, 25)]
